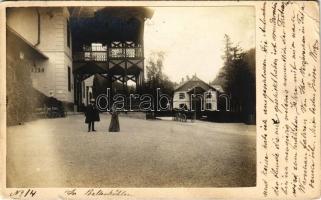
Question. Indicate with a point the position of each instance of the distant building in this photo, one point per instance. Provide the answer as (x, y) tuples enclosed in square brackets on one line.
[(197, 95)]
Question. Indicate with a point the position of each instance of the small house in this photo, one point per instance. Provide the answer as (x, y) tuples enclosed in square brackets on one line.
[(195, 94)]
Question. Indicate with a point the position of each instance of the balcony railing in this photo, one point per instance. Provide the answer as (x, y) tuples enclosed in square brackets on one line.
[(103, 54)]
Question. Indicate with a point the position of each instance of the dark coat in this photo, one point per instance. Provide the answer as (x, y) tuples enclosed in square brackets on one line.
[(92, 114)]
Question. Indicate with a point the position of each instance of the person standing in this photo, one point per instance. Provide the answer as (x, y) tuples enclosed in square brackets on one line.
[(92, 115), (114, 122)]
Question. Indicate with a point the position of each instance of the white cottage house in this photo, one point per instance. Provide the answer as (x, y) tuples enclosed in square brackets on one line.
[(195, 94)]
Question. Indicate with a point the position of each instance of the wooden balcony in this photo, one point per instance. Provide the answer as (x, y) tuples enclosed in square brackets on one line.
[(106, 54)]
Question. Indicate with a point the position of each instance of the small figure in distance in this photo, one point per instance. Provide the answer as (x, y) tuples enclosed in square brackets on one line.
[(92, 115), (114, 122)]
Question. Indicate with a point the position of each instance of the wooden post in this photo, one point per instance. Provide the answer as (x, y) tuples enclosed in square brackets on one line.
[(194, 116), (125, 77)]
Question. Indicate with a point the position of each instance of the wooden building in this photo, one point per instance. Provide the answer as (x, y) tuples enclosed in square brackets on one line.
[(109, 42), (77, 42)]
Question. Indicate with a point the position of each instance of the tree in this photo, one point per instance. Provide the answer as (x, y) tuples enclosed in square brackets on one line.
[(155, 76), (154, 67), (237, 77)]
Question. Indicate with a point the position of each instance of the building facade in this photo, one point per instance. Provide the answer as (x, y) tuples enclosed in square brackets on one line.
[(195, 94), (46, 30), (72, 44)]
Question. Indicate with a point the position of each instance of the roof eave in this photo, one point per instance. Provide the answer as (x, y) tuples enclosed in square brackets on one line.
[(37, 51)]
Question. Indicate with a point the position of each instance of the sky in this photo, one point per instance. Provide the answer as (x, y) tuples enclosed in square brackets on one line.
[(192, 37)]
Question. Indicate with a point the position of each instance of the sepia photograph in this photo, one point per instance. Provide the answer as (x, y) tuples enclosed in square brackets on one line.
[(131, 96)]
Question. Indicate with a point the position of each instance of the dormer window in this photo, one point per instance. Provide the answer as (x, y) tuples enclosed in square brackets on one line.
[(208, 95)]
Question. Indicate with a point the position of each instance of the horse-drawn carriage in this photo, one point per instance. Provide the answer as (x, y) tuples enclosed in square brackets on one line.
[(182, 115)]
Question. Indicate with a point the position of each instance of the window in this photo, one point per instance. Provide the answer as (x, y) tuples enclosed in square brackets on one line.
[(69, 79), (68, 33), (98, 47), (181, 95), (37, 70), (209, 95), (208, 106)]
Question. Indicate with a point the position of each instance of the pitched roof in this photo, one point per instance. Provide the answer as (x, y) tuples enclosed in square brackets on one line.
[(218, 88), (192, 83)]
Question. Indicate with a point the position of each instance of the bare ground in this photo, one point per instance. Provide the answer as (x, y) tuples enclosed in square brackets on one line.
[(61, 153)]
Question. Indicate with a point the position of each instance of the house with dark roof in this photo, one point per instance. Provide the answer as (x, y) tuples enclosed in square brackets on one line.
[(195, 94)]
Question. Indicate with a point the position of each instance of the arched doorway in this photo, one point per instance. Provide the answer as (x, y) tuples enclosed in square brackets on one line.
[(224, 102)]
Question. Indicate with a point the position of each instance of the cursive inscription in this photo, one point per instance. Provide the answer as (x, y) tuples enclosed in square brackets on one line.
[(288, 67)]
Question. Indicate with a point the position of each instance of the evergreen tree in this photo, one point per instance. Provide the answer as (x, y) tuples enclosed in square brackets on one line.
[(237, 77)]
